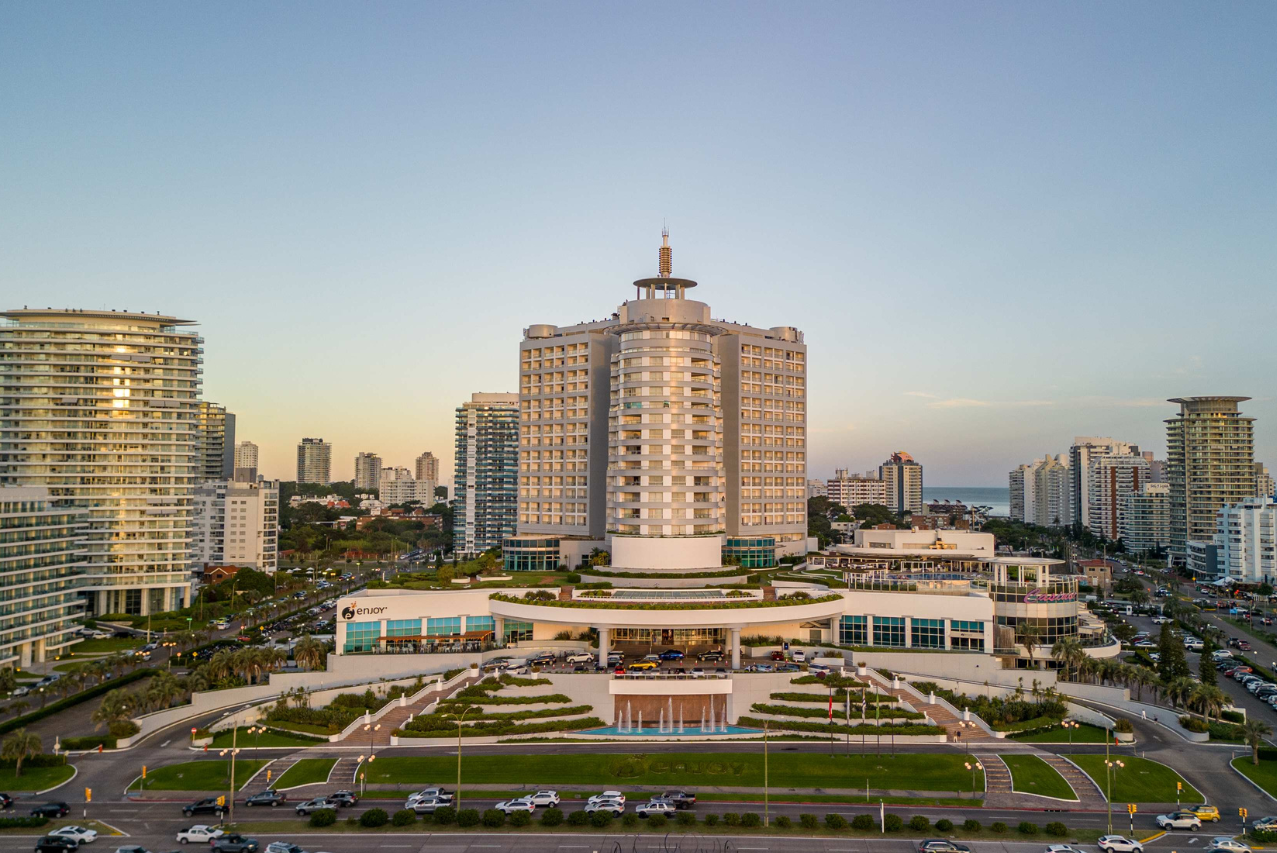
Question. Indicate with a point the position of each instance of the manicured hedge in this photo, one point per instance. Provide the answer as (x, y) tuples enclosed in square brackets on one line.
[(495, 729), (825, 728), (22, 822), (72, 701), (578, 604), (839, 712)]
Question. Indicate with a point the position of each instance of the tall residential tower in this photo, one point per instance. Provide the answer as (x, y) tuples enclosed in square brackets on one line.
[(314, 461), (1210, 464), (487, 472)]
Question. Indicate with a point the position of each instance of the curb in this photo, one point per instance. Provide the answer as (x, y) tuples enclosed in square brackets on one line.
[(1253, 783)]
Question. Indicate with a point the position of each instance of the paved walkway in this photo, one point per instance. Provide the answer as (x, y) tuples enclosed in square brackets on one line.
[(396, 717)]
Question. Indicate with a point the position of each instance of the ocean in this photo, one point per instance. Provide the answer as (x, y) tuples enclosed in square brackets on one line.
[(998, 498)]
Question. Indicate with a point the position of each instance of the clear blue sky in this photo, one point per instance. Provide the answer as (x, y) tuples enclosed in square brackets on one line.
[(999, 224)]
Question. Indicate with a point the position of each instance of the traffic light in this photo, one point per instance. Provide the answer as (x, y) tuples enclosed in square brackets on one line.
[(143, 771), (88, 795), (1131, 809), (268, 777), (1242, 813), (1179, 786), (221, 801)]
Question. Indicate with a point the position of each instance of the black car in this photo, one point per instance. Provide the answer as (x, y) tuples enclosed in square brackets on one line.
[(343, 798), (51, 810), (6, 802), (234, 843), (680, 799), (269, 797), (208, 805), (56, 844)]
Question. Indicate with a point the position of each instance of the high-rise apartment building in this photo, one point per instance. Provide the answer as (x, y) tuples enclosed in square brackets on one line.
[(1145, 522), (314, 461), (41, 554), (1246, 540), (428, 467), (236, 524), (1109, 480), (398, 486), (903, 479), (486, 480), (368, 472), (245, 462), (216, 437), (1085, 450), (1264, 484), (1040, 492), (1210, 464), (661, 421), (101, 408), (853, 490)]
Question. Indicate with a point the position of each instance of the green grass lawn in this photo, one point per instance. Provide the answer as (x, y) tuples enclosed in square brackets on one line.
[(1140, 781), (35, 778), (1264, 774), (1032, 775), (921, 772), (199, 775), (308, 771), (1086, 733), (271, 737), (106, 647)]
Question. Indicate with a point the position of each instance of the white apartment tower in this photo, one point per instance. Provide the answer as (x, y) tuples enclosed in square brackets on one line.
[(367, 472), (853, 490), (246, 462), (1110, 479), (486, 472), (1084, 451), (101, 408), (663, 430), (398, 486), (236, 524), (1145, 523), (216, 435), (1040, 492), (903, 479), (1246, 540), (314, 461)]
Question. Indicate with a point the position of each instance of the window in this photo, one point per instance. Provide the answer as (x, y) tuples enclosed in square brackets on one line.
[(480, 623), (854, 631), (444, 627), (927, 633), (362, 636), (889, 631), (403, 628), (518, 631)]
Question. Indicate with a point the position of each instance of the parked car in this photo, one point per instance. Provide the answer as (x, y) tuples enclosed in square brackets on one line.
[(51, 810), (710, 656), (1205, 812), (671, 654), (655, 807), (1119, 844), (1179, 820), (1062, 848), (613, 807), (640, 666), (56, 844), (6, 801), (523, 804), (79, 833), (777, 655), (428, 805), (314, 805), (436, 793), (199, 833), (269, 797), (234, 843), (607, 795), (1225, 842), (208, 805), (343, 798), (580, 657), (544, 799), (680, 799), (799, 656), (941, 845)]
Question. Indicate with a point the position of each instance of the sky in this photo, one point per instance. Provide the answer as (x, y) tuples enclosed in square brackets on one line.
[(999, 225)]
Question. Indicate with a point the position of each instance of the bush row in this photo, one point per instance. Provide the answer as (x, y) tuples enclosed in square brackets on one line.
[(438, 722), (75, 699), (501, 729), (839, 712), (902, 729)]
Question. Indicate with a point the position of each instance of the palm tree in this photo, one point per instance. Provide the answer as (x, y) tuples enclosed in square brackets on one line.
[(18, 707), (117, 706), (1068, 653), (163, 690), (19, 745), (1255, 730), (309, 652), (1179, 690), (1028, 635)]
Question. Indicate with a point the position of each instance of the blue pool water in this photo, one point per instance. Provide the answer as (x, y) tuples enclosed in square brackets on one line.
[(688, 731)]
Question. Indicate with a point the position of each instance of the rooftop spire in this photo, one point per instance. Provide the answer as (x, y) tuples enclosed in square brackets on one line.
[(666, 262)]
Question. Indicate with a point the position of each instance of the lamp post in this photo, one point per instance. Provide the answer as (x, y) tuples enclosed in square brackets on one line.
[(460, 717), (230, 788), (1070, 725), (371, 729), (973, 768), (766, 783), (1110, 768)]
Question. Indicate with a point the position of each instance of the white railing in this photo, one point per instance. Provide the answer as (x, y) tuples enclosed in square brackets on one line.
[(369, 717)]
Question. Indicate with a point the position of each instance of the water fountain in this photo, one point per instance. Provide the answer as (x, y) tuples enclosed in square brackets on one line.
[(680, 718), (702, 719), (660, 721), (640, 726)]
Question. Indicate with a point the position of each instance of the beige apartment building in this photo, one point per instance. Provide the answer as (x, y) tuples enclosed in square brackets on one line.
[(1210, 464)]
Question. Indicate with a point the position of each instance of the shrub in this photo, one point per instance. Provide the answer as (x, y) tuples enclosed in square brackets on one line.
[(971, 825), (323, 817), (918, 823), (23, 822), (806, 821), (493, 818), (578, 819), (944, 825), (1232, 717), (599, 820), (446, 815), (352, 821), (835, 821), (631, 820), (750, 820), (783, 822), (1123, 725), (469, 817), (1057, 829), (1263, 834), (123, 728), (404, 817), (374, 817), (520, 819), (686, 818), (862, 822), (893, 823), (552, 817), (1193, 724), (711, 820), (656, 821), (731, 819), (1027, 828), (998, 827)]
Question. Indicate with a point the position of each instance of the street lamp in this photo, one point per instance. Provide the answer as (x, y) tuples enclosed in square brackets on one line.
[(1071, 725), (460, 717), (1111, 767), (973, 768), (371, 729)]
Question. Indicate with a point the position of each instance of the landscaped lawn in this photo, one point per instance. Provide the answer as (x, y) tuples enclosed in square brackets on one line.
[(270, 737), (108, 646), (199, 775), (1264, 774), (35, 778), (1032, 775), (1086, 733), (921, 772), (1140, 781), (308, 771)]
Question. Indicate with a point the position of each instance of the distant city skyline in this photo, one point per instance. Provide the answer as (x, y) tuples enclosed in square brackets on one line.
[(999, 225)]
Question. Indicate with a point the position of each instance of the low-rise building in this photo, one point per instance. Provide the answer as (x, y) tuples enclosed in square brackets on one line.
[(236, 524), (1246, 541), (853, 490), (1096, 573)]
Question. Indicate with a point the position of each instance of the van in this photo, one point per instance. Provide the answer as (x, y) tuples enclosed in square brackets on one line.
[(1130, 611)]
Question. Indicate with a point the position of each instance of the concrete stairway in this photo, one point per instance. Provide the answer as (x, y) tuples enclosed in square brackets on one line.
[(997, 778), (396, 717), (942, 717), (1088, 793)]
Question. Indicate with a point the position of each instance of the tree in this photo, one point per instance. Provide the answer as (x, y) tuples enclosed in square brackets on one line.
[(1179, 690), (1171, 664), (1139, 595), (21, 743), (1207, 700), (1125, 631), (8, 680), (310, 653), (1028, 635), (1255, 730), (1068, 653), (1206, 664), (870, 515), (117, 706)]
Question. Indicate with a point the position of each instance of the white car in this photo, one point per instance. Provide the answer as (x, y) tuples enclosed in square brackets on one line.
[(607, 795), (581, 657), (199, 833), (1062, 848), (1179, 820), (612, 807), (429, 794), (1224, 842), (523, 804), (543, 799), (655, 807), (79, 833), (799, 656), (1119, 844)]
